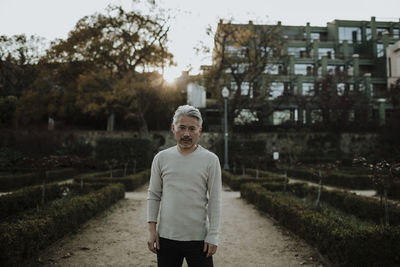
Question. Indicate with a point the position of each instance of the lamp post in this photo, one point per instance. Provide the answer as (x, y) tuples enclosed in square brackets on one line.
[(225, 94)]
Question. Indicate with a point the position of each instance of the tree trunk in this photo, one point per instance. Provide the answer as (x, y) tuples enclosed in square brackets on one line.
[(386, 208), (110, 122), (143, 129), (285, 182), (319, 187)]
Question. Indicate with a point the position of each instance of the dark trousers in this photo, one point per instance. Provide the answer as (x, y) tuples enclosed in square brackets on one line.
[(172, 252)]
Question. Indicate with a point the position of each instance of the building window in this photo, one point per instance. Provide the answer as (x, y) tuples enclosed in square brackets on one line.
[(273, 69), (276, 89), (340, 88), (281, 116), (369, 34), (245, 89), (396, 33), (316, 115), (380, 31), (242, 67), (351, 34), (380, 51), (334, 69), (245, 116), (308, 89), (238, 51), (303, 69), (330, 52), (297, 51), (315, 35)]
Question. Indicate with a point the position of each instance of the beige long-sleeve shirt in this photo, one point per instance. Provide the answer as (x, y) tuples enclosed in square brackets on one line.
[(185, 190)]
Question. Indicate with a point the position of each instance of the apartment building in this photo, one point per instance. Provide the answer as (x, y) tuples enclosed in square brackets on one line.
[(363, 53)]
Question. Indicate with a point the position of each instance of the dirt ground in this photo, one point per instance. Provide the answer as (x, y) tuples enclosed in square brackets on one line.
[(117, 237)]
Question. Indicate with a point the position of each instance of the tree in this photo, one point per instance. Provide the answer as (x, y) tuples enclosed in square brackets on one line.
[(337, 102), (242, 59), (111, 47), (19, 55), (31, 108), (388, 145), (8, 105)]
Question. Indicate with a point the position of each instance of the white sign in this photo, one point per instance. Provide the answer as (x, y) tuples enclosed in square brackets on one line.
[(275, 155)]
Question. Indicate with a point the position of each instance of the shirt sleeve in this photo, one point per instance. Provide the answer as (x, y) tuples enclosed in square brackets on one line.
[(214, 185), (154, 192)]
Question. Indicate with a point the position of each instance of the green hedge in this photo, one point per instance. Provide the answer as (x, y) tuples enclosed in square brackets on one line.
[(394, 191), (131, 182), (235, 181), (343, 241), (124, 150), (365, 208), (355, 182), (31, 197), (263, 173), (24, 237), (247, 152), (17, 181), (103, 174)]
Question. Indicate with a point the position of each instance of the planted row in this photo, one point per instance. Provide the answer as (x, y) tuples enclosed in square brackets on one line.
[(235, 181), (36, 196), (17, 181), (131, 182), (23, 237), (338, 179), (365, 208), (345, 242)]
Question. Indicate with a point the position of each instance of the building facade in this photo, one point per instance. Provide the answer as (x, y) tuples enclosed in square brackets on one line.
[(362, 53)]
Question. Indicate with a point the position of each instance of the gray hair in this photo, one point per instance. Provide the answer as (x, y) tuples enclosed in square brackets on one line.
[(187, 110)]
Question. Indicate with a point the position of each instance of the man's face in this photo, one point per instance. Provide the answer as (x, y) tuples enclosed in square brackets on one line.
[(187, 132)]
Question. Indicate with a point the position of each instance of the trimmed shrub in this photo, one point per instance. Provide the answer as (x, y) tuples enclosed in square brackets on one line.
[(263, 173), (249, 153), (125, 150), (130, 182), (365, 208), (17, 181), (103, 174), (31, 197), (235, 181), (23, 237), (344, 242), (394, 191), (355, 182)]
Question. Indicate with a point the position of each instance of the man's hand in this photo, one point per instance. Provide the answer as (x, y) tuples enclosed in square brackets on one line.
[(210, 249), (154, 240)]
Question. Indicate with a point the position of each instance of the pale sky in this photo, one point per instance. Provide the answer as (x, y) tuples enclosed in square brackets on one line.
[(53, 19)]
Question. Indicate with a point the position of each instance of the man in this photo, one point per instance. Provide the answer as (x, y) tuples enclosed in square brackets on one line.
[(186, 181)]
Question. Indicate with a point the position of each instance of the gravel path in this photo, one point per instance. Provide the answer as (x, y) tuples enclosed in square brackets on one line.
[(118, 236)]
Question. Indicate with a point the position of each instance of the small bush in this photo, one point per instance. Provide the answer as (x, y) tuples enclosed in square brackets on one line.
[(355, 182), (344, 242), (365, 208), (23, 238), (17, 181), (31, 197), (124, 150), (235, 181), (130, 182)]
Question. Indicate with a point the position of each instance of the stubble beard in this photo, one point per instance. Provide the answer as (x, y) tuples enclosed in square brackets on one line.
[(186, 143)]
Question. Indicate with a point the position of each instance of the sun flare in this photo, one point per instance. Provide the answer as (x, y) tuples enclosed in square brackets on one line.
[(171, 74)]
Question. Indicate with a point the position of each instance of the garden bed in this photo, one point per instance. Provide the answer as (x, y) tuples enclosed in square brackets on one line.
[(235, 181), (24, 234), (17, 181), (344, 238), (131, 182)]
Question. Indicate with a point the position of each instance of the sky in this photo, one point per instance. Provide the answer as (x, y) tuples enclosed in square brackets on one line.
[(53, 19)]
